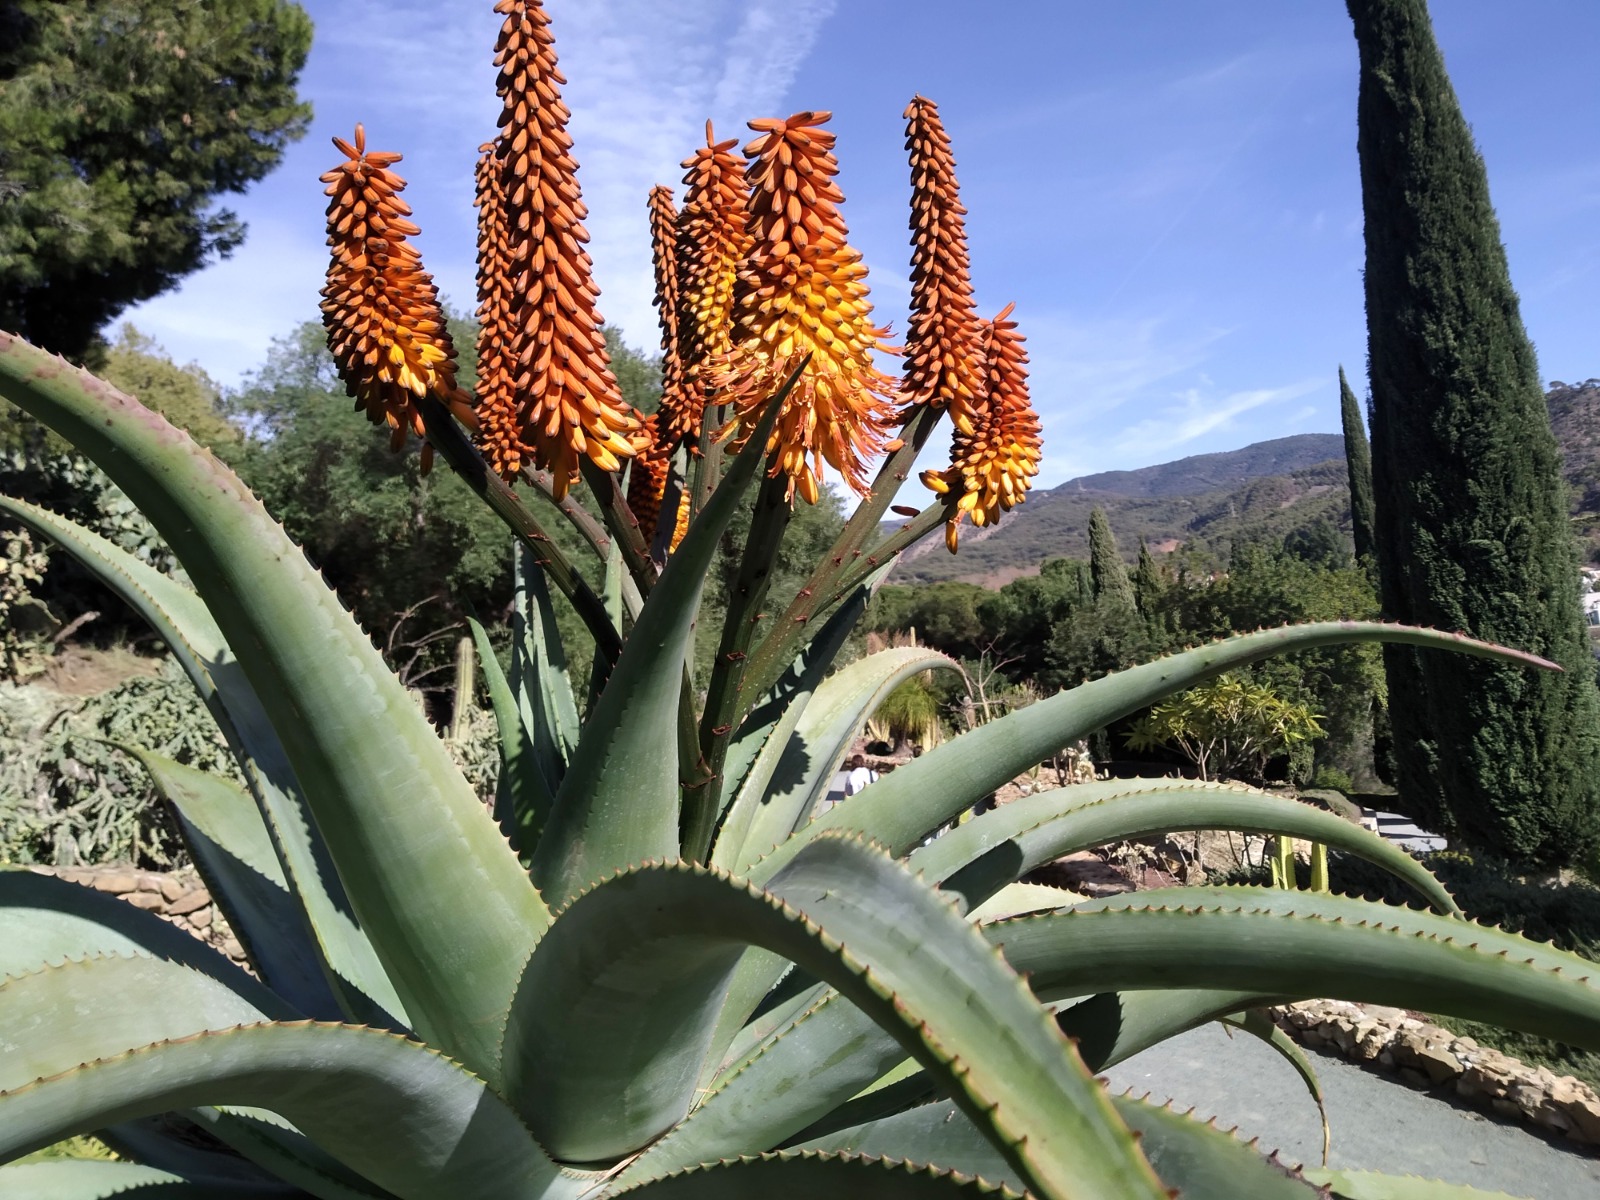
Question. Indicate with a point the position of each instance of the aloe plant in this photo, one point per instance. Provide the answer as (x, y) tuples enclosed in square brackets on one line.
[(658, 964)]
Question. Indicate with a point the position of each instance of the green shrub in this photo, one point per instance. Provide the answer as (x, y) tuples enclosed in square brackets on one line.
[(69, 796)]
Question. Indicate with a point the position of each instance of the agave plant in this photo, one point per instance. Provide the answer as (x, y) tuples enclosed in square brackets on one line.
[(656, 965)]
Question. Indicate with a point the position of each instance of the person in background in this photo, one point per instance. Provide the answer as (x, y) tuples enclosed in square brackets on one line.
[(858, 775)]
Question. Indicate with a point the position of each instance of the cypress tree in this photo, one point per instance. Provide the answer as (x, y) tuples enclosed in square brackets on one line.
[(1108, 575), (1358, 461), (1147, 587), (1471, 530)]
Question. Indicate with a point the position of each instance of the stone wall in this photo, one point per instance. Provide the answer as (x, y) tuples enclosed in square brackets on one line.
[(178, 897), (1427, 1057)]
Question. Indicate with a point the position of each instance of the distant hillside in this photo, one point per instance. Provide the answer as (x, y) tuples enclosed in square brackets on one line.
[(1267, 489), (1203, 473)]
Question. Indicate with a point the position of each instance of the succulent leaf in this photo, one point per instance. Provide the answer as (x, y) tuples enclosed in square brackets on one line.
[(1259, 1025), (1203, 1162), (1370, 1185), (523, 797), (1004, 844), (397, 816), (1112, 1026), (803, 1176), (182, 620), (838, 709), (46, 921), (618, 802), (91, 1179), (235, 856), (635, 964), (925, 793), (268, 1141), (391, 1109), (1289, 943)]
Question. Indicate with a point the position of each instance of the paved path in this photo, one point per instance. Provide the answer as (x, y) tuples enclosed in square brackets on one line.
[(1378, 1123)]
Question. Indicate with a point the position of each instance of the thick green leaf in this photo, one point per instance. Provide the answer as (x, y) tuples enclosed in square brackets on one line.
[(636, 964), (755, 754), (937, 1133), (925, 793), (804, 1176), (1112, 1026), (360, 988), (978, 858), (235, 856), (784, 1086), (990, 851), (1201, 1162), (807, 759), (1306, 944), (393, 1110), (618, 803), (268, 1141), (523, 797), (1258, 1024), (539, 668), (86, 1179), (45, 921), (1370, 1185), (169, 1142), (1198, 1161), (83, 1010), (400, 822), (764, 734)]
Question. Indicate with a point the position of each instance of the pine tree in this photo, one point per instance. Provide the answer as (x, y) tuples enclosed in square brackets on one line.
[(1358, 460), (1106, 570), (1471, 530), (120, 122)]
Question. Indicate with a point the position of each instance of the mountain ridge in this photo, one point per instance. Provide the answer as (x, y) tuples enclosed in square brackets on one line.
[(1265, 489)]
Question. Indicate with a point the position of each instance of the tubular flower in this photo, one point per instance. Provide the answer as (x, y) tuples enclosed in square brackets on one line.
[(944, 363), (552, 353), (994, 466), (712, 245), (381, 309), (647, 482), (803, 292)]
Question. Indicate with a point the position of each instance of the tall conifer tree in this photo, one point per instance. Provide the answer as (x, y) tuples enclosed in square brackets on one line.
[(1106, 569), (1358, 461), (1471, 531)]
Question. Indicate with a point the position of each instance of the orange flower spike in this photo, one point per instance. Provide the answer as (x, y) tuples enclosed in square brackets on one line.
[(712, 245), (664, 257), (499, 428), (994, 465), (943, 366), (647, 481), (568, 404), (385, 327), (803, 293)]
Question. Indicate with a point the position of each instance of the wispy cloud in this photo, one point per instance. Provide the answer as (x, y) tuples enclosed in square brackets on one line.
[(1196, 412), (643, 79)]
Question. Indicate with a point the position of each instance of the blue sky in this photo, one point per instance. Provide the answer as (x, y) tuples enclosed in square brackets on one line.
[(1167, 190)]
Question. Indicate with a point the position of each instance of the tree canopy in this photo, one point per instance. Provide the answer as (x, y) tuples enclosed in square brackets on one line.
[(120, 122)]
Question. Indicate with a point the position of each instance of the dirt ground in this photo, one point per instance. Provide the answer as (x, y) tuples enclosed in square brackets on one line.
[(85, 671)]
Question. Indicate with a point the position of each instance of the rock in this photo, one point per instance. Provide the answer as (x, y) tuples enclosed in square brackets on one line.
[(197, 899), (172, 887), (118, 883), (149, 901), (200, 918)]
